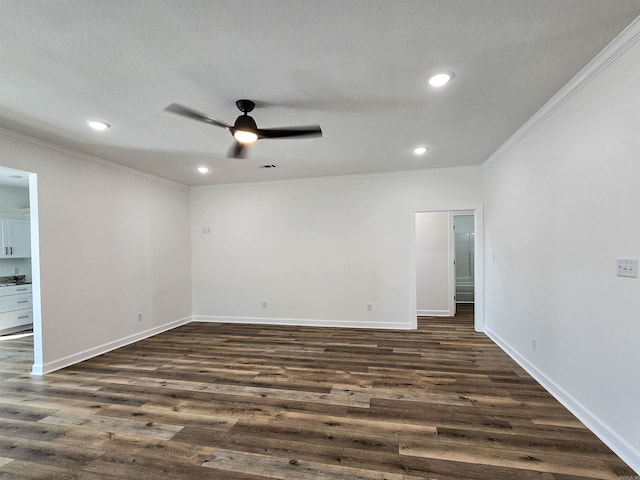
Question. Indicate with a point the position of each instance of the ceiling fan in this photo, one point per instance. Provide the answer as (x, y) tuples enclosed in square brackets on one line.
[(244, 130)]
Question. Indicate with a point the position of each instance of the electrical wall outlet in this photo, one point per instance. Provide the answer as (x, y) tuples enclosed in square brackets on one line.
[(370, 307), (264, 304), (534, 344), (139, 316), (16, 270), (627, 267)]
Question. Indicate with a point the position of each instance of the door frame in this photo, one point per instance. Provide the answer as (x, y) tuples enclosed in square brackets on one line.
[(35, 275), (478, 260)]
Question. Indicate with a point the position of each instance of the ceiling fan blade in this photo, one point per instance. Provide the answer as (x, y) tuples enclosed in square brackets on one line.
[(194, 115), (237, 150), (308, 131)]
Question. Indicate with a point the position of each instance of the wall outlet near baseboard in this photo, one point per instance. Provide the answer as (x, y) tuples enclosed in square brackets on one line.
[(16, 270), (139, 316), (264, 304), (370, 307), (534, 344)]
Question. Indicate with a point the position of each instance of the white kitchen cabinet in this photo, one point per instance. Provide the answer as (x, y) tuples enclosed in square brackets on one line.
[(15, 321), (16, 312), (16, 238)]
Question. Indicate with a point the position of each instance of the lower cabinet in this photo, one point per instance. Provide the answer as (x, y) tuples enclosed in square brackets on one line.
[(16, 312)]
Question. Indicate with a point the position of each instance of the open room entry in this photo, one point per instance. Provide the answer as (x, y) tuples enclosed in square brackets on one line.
[(19, 258), (464, 248), (439, 285)]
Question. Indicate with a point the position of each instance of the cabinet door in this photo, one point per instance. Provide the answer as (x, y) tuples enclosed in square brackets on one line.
[(5, 242), (9, 303), (10, 321), (20, 233)]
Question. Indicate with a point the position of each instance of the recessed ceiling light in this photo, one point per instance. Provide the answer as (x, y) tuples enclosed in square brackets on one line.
[(98, 125), (440, 79), (420, 150), (203, 169)]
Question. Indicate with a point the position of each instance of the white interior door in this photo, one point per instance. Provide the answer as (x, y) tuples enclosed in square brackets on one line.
[(434, 264)]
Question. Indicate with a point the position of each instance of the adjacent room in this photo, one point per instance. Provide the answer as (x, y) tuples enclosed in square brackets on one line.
[(305, 239)]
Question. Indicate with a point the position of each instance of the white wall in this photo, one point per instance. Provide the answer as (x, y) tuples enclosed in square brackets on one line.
[(13, 200), (317, 251), (113, 242), (557, 214), (433, 272), (7, 266)]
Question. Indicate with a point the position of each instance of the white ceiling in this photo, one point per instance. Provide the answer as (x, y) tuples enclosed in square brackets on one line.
[(356, 67)]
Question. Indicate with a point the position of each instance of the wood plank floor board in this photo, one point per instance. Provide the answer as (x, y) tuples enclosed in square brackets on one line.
[(47, 452), (521, 459), (29, 430), (26, 470), (170, 417), (50, 403), (21, 412), (249, 402), (567, 445), (437, 469), (67, 393), (150, 469), (319, 435), (124, 426), (283, 468), (210, 437), (290, 449)]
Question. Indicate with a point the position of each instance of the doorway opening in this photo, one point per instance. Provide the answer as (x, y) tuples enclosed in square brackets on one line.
[(464, 248), (20, 332), (447, 256)]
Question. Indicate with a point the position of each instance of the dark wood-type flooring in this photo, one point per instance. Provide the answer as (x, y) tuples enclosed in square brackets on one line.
[(253, 402)]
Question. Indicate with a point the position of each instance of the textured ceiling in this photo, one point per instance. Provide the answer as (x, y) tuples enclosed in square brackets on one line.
[(357, 68)]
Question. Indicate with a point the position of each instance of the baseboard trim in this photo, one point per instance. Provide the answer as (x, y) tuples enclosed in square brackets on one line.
[(434, 313), (627, 452), (302, 322), (48, 367)]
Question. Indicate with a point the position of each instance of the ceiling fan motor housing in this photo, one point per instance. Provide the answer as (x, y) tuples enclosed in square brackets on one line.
[(245, 123)]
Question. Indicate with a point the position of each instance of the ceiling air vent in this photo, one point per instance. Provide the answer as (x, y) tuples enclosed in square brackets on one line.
[(268, 166)]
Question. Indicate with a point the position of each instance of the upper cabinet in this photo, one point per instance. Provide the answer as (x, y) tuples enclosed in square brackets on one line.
[(16, 238)]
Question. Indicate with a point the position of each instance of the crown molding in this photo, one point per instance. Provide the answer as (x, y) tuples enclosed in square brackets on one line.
[(330, 178), (601, 62), (85, 156)]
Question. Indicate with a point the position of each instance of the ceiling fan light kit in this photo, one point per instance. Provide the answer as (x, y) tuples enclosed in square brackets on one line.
[(244, 136), (245, 126), (245, 131)]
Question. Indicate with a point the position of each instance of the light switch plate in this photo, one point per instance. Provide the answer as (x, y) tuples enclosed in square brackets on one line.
[(627, 267)]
